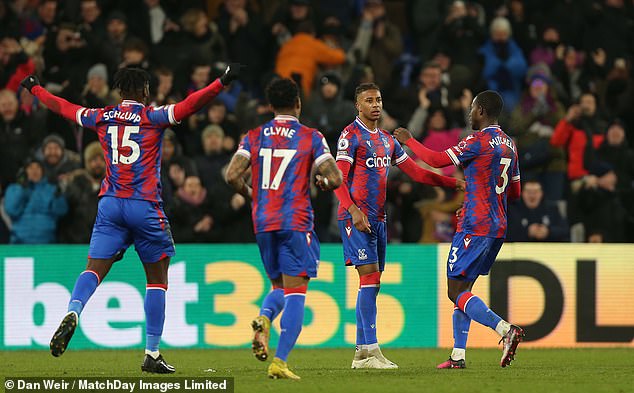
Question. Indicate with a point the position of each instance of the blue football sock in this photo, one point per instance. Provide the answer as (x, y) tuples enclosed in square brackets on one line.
[(154, 315), (461, 324), (475, 308), (85, 286), (360, 333), (292, 320), (273, 304), (369, 289)]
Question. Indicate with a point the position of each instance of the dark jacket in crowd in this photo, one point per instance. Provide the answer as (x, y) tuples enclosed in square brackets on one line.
[(520, 217)]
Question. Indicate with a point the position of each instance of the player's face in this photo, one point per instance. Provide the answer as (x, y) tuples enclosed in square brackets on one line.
[(475, 116), (370, 104)]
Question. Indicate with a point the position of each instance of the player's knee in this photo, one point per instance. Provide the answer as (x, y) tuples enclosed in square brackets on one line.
[(452, 295), (370, 280)]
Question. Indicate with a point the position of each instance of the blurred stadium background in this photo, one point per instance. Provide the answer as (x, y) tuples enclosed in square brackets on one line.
[(564, 68)]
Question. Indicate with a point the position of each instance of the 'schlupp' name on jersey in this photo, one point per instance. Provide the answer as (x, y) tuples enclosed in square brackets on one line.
[(500, 140), (282, 131), (127, 116), (378, 162)]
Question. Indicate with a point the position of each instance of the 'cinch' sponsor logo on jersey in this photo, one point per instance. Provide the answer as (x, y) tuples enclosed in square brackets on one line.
[(127, 116), (500, 140), (378, 162)]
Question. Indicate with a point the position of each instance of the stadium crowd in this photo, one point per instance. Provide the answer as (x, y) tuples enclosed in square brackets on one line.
[(564, 68)]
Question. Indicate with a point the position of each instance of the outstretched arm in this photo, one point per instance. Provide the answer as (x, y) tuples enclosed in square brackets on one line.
[(427, 177), (195, 101), (235, 174), (51, 101), (437, 159)]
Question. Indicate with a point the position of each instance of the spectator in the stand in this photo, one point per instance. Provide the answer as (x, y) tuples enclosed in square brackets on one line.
[(15, 65), (287, 19), (4, 222), (535, 219), (135, 54), (616, 93), (386, 44), (246, 37), (430, 92), (327, 110), (616, 152), (191, 218), (97, 93), (92, 22), (532, 125), (303, 54), (611, 30), (116, 36), (67, 57), (19, 135), (82, 195), (439, 215), (217, 113), (165, 92), (504, 63), (34, 206), (235, 219), (436, 134), (209, 164), (462, 34), (571, 77), (581, 132), (548, 47), (598, 206), (523, 24), (57, 161), (9, 25), (36, 25), (202, 37)]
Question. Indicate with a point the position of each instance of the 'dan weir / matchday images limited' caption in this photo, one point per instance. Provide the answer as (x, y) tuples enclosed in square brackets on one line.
[(163, 385)]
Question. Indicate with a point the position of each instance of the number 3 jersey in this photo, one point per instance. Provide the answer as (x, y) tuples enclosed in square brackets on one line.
[(282, 153), (131, 135), (489, 159)]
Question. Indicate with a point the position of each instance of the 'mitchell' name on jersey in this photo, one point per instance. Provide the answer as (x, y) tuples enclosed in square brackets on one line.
[(282, 153), (131, 135), (490, 163), (370, 152)]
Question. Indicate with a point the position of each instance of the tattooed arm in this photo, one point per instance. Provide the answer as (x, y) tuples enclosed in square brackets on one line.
[(329, 176), (235, 175)]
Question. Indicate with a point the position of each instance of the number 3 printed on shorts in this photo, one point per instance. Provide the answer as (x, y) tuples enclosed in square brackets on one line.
[(454, 257), (505, 176)]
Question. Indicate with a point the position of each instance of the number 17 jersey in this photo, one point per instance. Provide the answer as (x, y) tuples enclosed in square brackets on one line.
[(282, 153), (489, 159)]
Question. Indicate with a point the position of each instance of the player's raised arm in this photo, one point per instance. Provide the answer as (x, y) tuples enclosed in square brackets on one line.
[(328, 176), (437, 159), (51, 101), (195, 101)]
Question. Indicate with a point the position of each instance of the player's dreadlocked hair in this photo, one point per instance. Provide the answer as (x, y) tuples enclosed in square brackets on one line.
[(492, 103), (282, 93), (364, 87), (131, 81)]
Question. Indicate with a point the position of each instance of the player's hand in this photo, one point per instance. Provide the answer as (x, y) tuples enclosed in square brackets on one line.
[(231, 73), (322, 183), (30, 82), (460, 185), (359, 219), (402, 135)]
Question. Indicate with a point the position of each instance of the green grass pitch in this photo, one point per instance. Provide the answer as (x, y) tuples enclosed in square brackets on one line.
[(328, 370)]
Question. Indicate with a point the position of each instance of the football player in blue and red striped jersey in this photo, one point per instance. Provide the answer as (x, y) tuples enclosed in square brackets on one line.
[(281, 155), (492, 175), (130, 209), (364, 156)]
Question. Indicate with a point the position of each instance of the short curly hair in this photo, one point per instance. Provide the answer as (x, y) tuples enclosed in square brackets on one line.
[(282, 93), (131, 81)]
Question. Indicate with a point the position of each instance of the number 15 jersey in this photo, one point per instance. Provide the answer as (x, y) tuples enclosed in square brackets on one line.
[(131, 136), (282, 153), (489, 159)]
